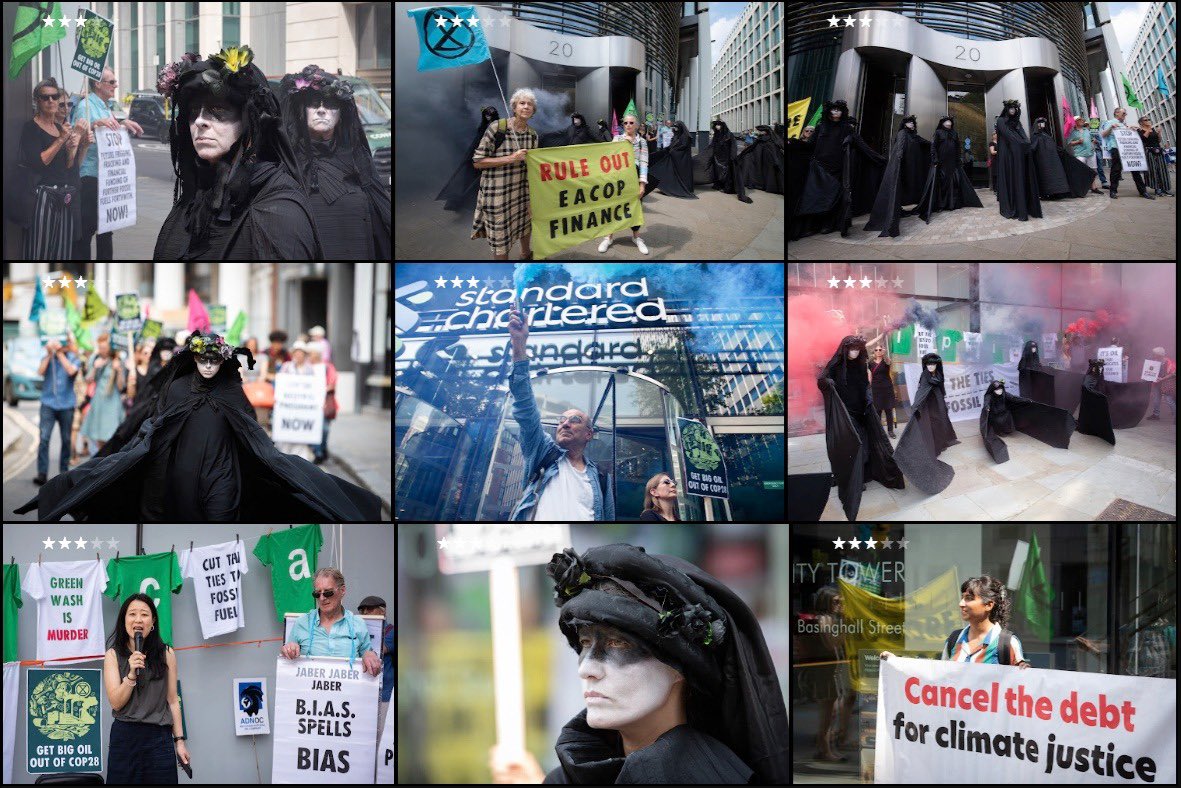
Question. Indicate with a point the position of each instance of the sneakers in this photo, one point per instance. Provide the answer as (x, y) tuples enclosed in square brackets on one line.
[(641, 245), (605, 245)]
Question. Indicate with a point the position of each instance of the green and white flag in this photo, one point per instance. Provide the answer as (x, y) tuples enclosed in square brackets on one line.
[(31, 33), (1132, 100)]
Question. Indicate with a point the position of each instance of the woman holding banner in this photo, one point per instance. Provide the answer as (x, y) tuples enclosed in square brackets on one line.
[(502, 204), (640, 146)]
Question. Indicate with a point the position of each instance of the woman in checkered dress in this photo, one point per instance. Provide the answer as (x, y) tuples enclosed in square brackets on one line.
[(502, 204)]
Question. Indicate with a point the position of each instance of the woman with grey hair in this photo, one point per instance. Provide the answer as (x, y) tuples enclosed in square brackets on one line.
[(632, 135), (502, 203), (44, 196)]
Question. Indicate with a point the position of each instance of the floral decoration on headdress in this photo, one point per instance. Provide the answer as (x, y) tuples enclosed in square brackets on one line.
[(169, 76), (313, 78), (210, 345)]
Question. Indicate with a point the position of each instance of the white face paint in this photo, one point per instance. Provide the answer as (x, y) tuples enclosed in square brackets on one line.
[(322, 120), (910, 125), (630, 683), (208, 367), (930, 367), (835, 114), (165, 356), (214, 131), (947, 124), (854, 353)]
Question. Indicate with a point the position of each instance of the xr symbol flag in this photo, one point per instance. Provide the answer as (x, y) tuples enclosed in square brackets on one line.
[(449, 36)]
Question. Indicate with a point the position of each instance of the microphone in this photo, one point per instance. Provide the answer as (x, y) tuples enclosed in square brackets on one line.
[(139, 646)]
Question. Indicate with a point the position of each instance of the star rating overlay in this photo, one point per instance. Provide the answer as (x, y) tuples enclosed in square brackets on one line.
[(840, 543), (865, 282), (81, 543)]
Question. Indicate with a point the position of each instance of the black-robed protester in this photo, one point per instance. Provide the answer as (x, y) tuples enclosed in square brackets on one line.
[(903, 182), (250, 204), (799, 160), (1051, 174), (858, 449), (576, 133), (1014, 167), (928, 432), (947, 187), (673, 166), (843, 177), (350, 202), (723, 168), (761, 163), (1107, 405), (1043, 383), (460, 189), (1004, 413), (201, 456)]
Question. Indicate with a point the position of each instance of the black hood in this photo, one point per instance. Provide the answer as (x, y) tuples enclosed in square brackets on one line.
[(1041, 120), (839, 366), (1029, 356), (1011, 103), (939, 125), (991, 391), (936, 378), (909, 119), (840, 104), (308, 87), (720, 130)]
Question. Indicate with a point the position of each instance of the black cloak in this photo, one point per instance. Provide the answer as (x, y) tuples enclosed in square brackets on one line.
[(798, 161), (761, 162), (574, 134), (927, 434), (155, 363), (1003, 413), (1014, 168), (673, 166), (807, 495), (250, 205), (202, 457), (724, 169), (858, 449), (1051, 174), (460, 189), (1079, 176), (843, 178), (690, 621), (604, 134), (1110, 405), (349, 201), (1046, 384), (948, 187), (903, 182)]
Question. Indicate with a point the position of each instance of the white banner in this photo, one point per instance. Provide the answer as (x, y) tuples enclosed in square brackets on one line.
[(993, 724), (299, 408), (325, 721), (1131, 150), (1151, 370), (924, 340), (1113, 368), (116, 179), (12, 715), (385, 750), (1049, 349), (964, 385), (252, 707)]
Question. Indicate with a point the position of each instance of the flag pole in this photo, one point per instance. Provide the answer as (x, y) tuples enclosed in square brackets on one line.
[(508, 112)]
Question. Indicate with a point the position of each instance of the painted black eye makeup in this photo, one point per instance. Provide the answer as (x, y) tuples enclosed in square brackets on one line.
[(610, 647)]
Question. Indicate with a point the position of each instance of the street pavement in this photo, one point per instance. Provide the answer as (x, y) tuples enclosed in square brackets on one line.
[(359, 450)]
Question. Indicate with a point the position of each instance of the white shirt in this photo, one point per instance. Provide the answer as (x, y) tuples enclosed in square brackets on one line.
[(69, 608), (217, 571), (567, 497)]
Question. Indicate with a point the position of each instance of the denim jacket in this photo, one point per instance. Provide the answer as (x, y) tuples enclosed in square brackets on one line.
[(542, 452)]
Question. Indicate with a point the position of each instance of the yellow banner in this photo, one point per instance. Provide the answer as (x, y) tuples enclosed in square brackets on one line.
[(920, 621), (797, 115), (581, 192)]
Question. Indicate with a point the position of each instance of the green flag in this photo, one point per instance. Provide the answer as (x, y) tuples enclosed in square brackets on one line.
[(234, 337), (30, 34), (1132, 100), (946, 349), (631, 109), (1035, 597), (81, 333), (815, 116), (900, 340), (94, 309)]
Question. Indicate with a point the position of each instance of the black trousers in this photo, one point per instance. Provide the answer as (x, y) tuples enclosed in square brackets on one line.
[(889, 411), (104, 247), (1117, 168)]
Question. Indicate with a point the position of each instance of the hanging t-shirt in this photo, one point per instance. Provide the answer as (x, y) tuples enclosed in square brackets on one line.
[(69, 608), (291, 554), (12, 600), (216, 571), (156, 575)]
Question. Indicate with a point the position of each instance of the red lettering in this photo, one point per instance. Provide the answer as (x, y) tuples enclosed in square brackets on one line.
[(911, 683), (544, 170)]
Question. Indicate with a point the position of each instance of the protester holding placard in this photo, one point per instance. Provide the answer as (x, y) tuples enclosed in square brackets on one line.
[(1165, 386), (1112, 145), (502, 202), (329, 629)]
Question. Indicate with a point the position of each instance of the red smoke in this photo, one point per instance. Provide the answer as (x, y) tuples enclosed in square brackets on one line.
[(813, 335)]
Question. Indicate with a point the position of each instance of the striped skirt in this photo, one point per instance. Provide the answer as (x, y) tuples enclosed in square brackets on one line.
[(50, 234), (1158, 172)]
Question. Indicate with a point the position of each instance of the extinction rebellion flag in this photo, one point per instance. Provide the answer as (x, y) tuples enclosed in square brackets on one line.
[(449, 36), (31, 34)]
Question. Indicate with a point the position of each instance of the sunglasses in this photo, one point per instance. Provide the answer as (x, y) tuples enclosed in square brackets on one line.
[(325, 103), (327, 594), (629, 123), (49, 96), (571, 419)]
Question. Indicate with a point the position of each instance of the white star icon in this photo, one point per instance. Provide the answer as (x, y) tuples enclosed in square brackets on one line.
[(80, 543), (457, 21), (504, 20), (866, 282), (112, 543), (96, 544), (850, 21), (838, 543), (505, 284), (833, 21), (849, 282), (473, 20), (440, 282), (473, 282), (904, 543), (456, 282), (488, 283), (65, 281), (48, 21), (865, 20), (48, 543), (855, 544), (887, 544), (881, 283), (897, 282), (48, 282), (443, 545), (80, 282), (63, 544), (441, 21), (833, 282), (869, 543)]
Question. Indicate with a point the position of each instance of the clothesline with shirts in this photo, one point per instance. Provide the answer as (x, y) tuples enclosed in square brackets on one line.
[(92, 657)]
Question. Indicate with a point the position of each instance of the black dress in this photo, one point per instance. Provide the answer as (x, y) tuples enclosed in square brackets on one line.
[(882, 389), (274, 223), (203, 481), (351, 209)]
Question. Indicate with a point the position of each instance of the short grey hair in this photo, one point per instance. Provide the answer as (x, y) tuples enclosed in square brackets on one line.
[(329, 571), (521, 94), (49, 82)]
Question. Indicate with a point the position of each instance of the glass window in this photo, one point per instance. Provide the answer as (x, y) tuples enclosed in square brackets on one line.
[(754, 465), (373, 35), (231, 24)]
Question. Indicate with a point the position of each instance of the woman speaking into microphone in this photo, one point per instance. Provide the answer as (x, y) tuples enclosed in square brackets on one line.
[(139, 674)]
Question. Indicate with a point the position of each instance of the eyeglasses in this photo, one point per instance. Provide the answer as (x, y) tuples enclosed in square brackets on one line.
[(327, 594), (49, 96), (109, 81), (629, 123), (569, 419)]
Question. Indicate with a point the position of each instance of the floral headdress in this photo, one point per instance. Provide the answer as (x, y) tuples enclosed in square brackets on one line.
[(209, 345), (315, 79)]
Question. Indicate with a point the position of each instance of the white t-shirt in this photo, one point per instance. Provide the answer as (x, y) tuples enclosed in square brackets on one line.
[(567, 497), (217, 571), (69, 608)]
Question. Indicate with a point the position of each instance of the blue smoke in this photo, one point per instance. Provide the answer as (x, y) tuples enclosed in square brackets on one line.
[(701, 284)]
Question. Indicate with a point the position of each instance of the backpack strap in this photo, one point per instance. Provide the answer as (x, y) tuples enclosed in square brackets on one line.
[(951, 641), (1004, 648)]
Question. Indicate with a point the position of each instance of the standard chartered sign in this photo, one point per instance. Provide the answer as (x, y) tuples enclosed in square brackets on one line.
[(569, 305)]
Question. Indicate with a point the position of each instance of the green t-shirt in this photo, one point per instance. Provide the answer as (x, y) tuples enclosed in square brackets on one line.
[(12, 600), (156, 575), (291, 554)]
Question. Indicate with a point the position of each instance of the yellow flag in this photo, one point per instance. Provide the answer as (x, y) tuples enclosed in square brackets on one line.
[(920, 621), (797, 113), (580, 192)]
